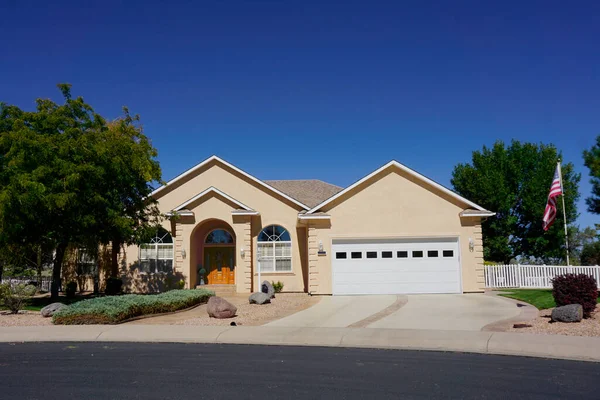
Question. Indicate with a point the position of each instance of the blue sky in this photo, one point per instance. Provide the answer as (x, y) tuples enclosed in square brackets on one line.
[(328, 89)]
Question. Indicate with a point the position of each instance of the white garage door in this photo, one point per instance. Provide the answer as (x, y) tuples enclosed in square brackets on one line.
[(396, 266)]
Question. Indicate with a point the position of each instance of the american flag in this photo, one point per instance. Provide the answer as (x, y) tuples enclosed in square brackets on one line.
[(555, 191)]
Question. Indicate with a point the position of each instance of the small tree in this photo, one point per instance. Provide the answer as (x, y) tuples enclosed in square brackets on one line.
[(590, 254), (14, 296)]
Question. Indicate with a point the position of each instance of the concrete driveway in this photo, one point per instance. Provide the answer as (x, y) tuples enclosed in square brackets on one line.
[(469, 312)]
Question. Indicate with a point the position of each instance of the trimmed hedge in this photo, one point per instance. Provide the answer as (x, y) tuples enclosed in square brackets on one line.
[(116, 309), (575, 289)]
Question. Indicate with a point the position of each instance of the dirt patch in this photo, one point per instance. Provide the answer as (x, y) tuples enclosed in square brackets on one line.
[(281, 306), (542, 325), (23, 318)]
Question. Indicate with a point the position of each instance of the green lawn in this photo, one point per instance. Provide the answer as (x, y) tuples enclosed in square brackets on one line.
[(540, 298), (37, 303)]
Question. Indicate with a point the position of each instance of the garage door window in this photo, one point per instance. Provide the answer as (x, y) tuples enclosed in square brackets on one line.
[(402, 254), (432, 253), (386, 254), (356, 254), (340, 255), (274, 249), (417, 254), (448, 253), (371, 254)]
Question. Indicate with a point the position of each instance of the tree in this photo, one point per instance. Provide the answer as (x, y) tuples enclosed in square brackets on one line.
[(578, 240), (130, 166), (590, 254), (514, 181), (60, 177), (591, 160)]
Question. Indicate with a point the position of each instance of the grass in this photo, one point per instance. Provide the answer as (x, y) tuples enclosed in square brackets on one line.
[(37, 303), (116, 309), (539, 298)]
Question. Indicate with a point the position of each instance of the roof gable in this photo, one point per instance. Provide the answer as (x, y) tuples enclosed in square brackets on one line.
[(215, 191), (411, 172), (190, 171)]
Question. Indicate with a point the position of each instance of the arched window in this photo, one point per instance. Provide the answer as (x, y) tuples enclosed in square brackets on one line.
[(157, 254), (219, 236), (274, 249)]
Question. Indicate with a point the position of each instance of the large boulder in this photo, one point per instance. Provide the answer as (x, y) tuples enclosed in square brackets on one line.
[(568, 313), (50, 309), (220, 308), (259, 298), (267, 288)]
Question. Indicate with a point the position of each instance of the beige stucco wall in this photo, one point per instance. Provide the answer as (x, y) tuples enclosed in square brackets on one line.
[(395, 205), (273, 209)]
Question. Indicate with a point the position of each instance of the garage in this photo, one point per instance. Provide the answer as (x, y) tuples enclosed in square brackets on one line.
[(386, 266)]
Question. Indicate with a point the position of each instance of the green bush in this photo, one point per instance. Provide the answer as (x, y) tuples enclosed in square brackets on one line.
[(14, 296), (71, 289), (277, 286), (116, 309), (113, 286)]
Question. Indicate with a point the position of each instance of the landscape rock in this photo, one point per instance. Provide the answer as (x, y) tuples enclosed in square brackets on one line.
[(267, 288), (220, 308), (259, 298), (50, 309), (568, 313)]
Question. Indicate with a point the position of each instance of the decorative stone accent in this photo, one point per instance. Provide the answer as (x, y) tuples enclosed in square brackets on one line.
[(220, 308), (259, 298), (50, 309), (568, 313), (267, 288)]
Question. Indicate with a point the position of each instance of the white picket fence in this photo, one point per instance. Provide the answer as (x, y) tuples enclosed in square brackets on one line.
[(531, 276)]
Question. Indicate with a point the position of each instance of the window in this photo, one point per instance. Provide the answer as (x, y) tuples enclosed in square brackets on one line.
[(432, 253), (219, 236), (417, 254), (356, 254), (448, 253), (386, 254), (371, 254), (157, 254), (274, 249), (340, 255), (86, 263), (402, 254)]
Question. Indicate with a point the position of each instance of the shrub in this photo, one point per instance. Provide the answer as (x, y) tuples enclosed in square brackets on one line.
[(181, 284), (71, 289), (277, 286), (14, 296), (113, 286), (116, 309), (576, 289)]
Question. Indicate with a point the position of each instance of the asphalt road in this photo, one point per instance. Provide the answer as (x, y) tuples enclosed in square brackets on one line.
[(195, 371)]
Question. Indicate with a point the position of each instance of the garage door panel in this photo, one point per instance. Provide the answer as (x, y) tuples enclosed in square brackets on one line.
[(414, 266)]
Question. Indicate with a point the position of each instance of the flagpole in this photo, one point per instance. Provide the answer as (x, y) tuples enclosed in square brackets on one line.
[(562, 189)]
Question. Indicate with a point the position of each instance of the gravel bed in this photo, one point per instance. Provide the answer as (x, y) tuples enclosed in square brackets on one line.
[(542, 325), (281, 306), (23, 318)]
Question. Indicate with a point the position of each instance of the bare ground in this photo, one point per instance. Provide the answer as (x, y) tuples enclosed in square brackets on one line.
[(23, 318), (542, 325), (281, 306)]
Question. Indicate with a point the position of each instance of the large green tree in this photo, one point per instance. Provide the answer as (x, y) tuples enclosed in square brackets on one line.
[(514, 181), (591, 160), (67, 177)]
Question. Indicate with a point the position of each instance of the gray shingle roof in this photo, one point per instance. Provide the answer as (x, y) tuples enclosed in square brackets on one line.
[(307, 191)]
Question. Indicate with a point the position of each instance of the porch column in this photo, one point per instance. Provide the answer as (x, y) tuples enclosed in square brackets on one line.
[(313, 248), (178, 267), (242, 224)]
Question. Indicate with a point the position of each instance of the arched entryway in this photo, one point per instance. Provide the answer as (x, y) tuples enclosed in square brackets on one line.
[(213, 258)]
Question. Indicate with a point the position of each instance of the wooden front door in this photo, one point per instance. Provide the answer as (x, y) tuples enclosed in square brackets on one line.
[(219, 263)]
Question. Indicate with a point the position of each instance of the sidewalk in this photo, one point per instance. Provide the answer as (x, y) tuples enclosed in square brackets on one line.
[(519, 344)]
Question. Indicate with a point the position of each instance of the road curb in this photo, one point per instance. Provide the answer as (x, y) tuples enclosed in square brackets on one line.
[(502, 343)]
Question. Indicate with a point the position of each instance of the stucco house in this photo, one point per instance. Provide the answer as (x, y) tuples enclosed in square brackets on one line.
[(393, 231)]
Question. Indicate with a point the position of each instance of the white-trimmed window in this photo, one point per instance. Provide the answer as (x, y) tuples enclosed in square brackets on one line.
[(157, 255), (274, 249), (86, 263)]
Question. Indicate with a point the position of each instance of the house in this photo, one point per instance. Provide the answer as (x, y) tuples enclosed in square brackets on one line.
[(393, 231)]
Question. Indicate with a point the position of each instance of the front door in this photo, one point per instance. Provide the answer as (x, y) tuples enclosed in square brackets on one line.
[(219, 263)]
